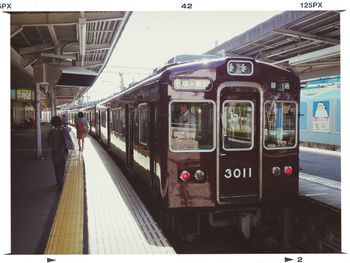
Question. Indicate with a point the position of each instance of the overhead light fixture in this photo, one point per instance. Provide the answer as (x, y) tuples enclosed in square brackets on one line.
[(82, 37), (64, 76)]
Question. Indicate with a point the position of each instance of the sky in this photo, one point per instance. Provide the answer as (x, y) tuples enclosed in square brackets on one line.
[(151, 38)]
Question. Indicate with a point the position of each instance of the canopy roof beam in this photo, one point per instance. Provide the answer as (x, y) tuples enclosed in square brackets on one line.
[(310, 36), (62, 18), (313, 56)]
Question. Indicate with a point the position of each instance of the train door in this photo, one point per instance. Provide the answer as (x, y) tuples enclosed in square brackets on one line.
[(109, 128), (239, 143), (151, 141), (129, 136), (99, 123), (90, 120)]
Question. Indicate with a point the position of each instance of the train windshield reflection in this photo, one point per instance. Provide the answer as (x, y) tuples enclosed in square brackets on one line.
[(237, 125), (280, 124), (192, 126)]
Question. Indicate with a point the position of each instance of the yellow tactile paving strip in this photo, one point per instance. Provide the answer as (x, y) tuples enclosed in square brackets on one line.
[(66, 236)]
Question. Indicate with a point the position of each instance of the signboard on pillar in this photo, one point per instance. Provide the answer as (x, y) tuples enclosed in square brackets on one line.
[(24, 94), (320, 116)]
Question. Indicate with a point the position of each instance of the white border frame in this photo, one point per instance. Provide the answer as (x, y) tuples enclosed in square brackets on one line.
[(296, 125), (253, 126), (214, 125), (245, 61)]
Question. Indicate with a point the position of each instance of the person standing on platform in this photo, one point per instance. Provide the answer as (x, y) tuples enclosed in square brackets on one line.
[(32, 122), (82, 127), (57, 143), (65, 119)]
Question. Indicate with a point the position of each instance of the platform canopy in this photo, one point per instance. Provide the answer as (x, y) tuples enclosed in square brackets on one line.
[(306, 41), (74, 46)]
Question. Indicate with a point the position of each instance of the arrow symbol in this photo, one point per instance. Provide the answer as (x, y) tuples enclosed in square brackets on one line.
[(50, 260), (287, 259)]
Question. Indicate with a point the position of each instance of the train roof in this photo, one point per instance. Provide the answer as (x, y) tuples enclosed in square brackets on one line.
[(190, 57), (172, 67)]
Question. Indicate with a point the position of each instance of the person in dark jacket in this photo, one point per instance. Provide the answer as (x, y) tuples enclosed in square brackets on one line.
[(57, 143)]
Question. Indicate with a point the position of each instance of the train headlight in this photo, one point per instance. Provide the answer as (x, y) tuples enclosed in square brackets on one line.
[(185, 176), (240, 68), (276, 171), (199, 175), (288, 170)]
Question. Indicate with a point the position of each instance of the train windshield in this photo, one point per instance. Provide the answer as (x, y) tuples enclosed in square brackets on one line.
[(280, 124), (191, 126), (237, 122)]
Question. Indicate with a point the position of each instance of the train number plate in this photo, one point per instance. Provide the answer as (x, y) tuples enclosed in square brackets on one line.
[(238, 173)]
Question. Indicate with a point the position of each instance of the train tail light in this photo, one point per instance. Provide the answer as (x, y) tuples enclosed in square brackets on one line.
[(288, 170), (276, 171), (185, 176)]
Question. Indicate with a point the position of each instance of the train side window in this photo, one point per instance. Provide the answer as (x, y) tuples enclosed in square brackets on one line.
[(103, 118), (93, 119), (143, 123), (192, 126), (119, 120), (238, 125), (280, 125)]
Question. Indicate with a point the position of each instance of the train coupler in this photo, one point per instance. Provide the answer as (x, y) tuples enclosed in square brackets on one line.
[(243, 221)]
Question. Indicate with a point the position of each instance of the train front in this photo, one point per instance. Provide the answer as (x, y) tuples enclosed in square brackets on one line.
[(232, 135)]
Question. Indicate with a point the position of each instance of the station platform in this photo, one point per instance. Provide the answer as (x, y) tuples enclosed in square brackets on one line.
[(97, 211), (322, 190), (116, 220), (34, 195)]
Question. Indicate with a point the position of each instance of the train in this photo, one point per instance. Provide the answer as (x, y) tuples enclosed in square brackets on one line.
[(216, 138), (321, 97)]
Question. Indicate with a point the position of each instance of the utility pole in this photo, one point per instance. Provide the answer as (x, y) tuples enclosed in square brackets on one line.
[(121, 76)]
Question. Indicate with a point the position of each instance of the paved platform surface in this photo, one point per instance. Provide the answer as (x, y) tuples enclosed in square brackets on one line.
[(320, 189), (66, 235), (118, 221), (320, 162), (34, 193)]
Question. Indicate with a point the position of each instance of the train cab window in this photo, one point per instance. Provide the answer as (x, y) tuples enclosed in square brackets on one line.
[(143, 123), (238, 123), (280, 125), (192, 126)]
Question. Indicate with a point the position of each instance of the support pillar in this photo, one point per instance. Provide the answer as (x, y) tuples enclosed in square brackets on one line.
[(53, 101), (39, 154)]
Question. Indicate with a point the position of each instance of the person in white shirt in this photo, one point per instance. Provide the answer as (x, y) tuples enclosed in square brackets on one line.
[(187, 118)]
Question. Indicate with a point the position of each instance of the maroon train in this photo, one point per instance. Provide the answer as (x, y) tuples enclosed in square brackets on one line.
[(220, 135)]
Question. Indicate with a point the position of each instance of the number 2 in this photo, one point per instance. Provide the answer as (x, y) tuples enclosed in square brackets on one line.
[(300, 259)]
